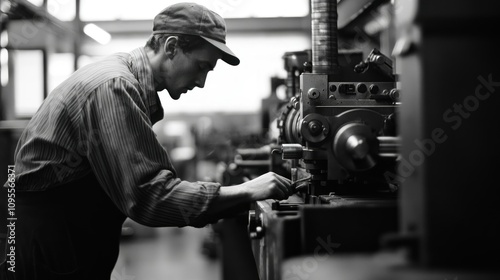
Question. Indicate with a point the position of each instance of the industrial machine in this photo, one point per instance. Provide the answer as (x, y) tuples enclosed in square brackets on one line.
[(338, 139), (370, 145)]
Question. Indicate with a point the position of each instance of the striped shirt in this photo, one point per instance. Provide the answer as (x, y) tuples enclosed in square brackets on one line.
[(100, 121)]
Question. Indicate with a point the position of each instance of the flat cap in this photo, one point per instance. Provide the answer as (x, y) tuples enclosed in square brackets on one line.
[(195, 19)]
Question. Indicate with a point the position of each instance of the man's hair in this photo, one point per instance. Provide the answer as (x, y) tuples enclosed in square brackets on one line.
[(186, 43)]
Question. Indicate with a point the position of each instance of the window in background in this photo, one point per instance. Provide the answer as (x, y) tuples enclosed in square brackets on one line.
[(64, 10), (60, 67), (97, 10), (4, 67), (28, 81)]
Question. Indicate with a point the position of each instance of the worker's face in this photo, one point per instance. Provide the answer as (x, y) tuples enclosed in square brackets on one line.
[(183, 71)]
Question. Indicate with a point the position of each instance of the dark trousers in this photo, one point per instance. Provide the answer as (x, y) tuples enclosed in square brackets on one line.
[(68, 232)]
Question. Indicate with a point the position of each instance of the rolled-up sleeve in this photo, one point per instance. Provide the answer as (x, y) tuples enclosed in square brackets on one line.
[(132, 166)]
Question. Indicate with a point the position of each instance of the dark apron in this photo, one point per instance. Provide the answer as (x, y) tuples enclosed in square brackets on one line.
[(69, 232)]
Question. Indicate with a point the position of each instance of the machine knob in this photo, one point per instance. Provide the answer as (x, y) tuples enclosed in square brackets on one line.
[(315, 127), (373, 89), (394, 94), (259, 231), (313, 93), (291, 151)]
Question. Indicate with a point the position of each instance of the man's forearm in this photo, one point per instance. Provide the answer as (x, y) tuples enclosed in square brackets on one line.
[(266, 186), (229, 197)]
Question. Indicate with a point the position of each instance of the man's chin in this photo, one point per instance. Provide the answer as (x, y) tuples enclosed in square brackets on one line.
[(175, 96)]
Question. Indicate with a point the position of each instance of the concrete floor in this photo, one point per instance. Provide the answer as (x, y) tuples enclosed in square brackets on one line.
[(166, 253)]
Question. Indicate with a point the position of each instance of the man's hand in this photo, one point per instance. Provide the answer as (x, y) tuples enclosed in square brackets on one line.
[(268, 186)]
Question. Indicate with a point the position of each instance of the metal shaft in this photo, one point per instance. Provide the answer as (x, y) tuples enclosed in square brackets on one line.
[(389, 146), (324, 36)]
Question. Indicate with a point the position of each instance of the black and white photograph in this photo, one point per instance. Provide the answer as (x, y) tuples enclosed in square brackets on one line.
[(249, 140)]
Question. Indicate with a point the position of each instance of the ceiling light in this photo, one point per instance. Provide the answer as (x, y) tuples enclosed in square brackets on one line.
[(97, 33)]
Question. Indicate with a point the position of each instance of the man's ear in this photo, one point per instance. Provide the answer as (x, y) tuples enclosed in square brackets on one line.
[(170, 46)]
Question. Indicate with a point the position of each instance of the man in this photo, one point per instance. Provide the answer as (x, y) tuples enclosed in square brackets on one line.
[(89, 157)]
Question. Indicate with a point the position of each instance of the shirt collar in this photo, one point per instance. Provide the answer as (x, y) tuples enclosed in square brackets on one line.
[(141, 69)]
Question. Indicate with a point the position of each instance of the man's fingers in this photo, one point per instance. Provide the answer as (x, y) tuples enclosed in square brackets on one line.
[(284, 188), (283, 194), (288, 185), (285, 184)]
